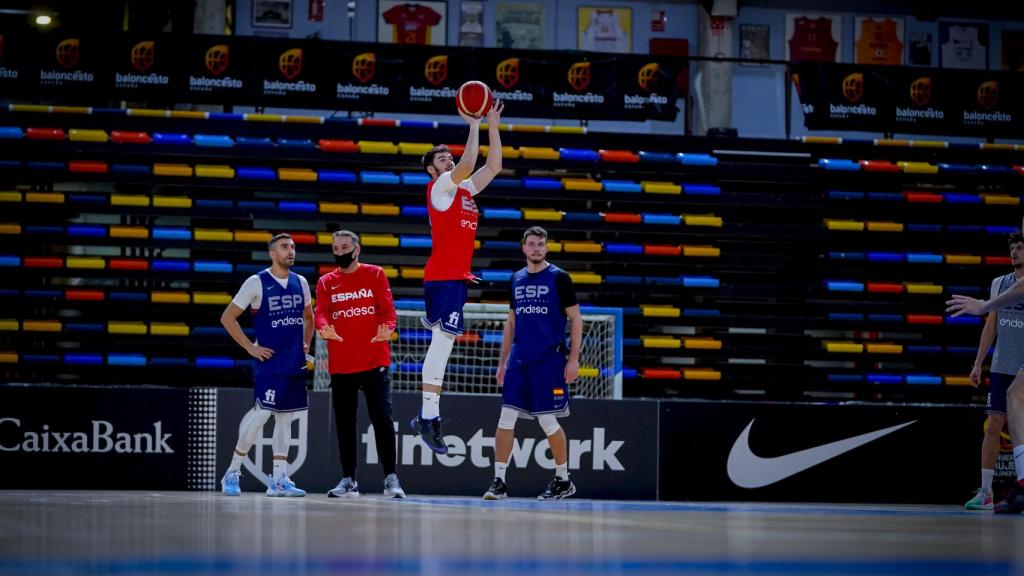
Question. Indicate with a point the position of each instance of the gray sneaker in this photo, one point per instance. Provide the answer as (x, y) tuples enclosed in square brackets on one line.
[(345, 489), (392, 488)]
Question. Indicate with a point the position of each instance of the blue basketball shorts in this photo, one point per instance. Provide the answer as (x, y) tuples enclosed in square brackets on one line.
[(537, 387), (444, 301)]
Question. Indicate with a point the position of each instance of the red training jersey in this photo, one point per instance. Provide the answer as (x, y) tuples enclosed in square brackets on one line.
[(452, 238), (355, 304), (411, 23)]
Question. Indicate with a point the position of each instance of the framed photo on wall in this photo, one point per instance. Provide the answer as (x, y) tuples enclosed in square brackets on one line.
[(754, 43), (963, 45), (421, 22), (272, 13), (919, 49), (471, 23), (605, 29), (519, 25)]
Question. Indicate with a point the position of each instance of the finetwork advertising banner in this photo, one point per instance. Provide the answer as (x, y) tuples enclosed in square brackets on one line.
[(364, 77), (612, 448), (910, 99)]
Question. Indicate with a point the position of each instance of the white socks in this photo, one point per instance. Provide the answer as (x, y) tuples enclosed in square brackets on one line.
[(236, 462), (1018, 461), (562, 471), (499, 469), (986, 479), (280, 469), (431, 406)]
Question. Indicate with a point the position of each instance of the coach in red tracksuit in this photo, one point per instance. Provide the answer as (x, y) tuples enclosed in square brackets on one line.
[(356, 316)]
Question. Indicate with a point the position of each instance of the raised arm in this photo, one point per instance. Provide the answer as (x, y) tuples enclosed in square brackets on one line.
[(488, 171), (960, 304), (467, 162)]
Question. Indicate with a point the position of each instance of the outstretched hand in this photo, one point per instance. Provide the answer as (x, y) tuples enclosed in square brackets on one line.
[(960, 305), (472, 121), (329, 333), (494, 114), (383, 334)]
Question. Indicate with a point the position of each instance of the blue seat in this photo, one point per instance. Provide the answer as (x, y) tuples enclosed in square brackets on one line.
[(48, 166), (257, 205), (371, 177), (885, 196), (305, 207), (700, 282), (11, 133), (88, 231), (213, 141), (616, 248), (501, 245), (130, 169), (416, 124), (217, 267), (161, 265), (885, 379), (119, 296), (88, 198), (296, 143), (846, 255), (955, 168), (542, 184), (10, 261), (502, 213), (171, 139), (414, 241), (621, 186), (255, 173), (844, 286), (39, 229), (657, 157), (336, 176), (126, 360), (234, 116), (415, 211), (628, 280), (506, 183), (85, 327), (962, 198), (165, 361), (664, 281), (701, 190), (885, 257), (578, 155), (670, 219), (845, 317), (839, 164), (886, 318), (251, 142), (44, 294), (845, 195), (924, 228), (701, 313), (214, 204), (215, 362), (496, 275), (697, 159), (415, 179), (582, 217), (169, 233), (921, 379), (83, 359)]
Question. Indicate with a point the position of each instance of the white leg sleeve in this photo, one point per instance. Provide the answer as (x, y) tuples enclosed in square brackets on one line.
[(250, 428), (441, 344), (548, 423), (282, 432), (507, 420)]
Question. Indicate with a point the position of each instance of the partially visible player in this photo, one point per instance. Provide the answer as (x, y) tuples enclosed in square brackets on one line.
[(959, 305), (1005, 327), (355, 314), (282, 316), (453, 222), (534, 368)]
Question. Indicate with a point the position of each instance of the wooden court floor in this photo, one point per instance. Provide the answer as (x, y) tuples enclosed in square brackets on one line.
[(188, 533)]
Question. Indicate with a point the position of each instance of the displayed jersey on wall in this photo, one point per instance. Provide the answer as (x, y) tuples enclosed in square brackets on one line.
[(605, 29), (814, 37), (411, 23), (963, 45), (878, 41)]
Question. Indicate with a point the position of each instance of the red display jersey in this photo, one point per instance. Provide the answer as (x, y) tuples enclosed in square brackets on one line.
[(411, 23), (452, 238), (812, 40), (355, 304)]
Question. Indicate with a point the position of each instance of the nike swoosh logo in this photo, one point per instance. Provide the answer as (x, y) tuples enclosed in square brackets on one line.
[(335, 287), (748, 470)]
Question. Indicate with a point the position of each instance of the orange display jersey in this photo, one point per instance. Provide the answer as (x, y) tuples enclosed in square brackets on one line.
[(879, 43)]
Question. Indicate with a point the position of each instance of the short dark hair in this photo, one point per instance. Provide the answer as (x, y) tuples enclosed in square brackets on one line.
[(348, 233), (428, 156), (275, 238), (534, 231), (1015, 237)]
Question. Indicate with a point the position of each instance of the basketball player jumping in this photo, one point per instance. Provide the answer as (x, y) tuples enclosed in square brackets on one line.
[(453, 222), (283, 319), (958, 305), (535, 368)]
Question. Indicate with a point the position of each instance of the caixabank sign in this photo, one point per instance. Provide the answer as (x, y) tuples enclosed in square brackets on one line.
[(612, 448), (93, 438)]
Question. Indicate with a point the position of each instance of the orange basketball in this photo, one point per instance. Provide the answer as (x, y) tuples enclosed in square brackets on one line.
[(474, 98)]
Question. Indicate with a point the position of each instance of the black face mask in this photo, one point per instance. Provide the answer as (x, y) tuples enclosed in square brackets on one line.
[(345, 260)]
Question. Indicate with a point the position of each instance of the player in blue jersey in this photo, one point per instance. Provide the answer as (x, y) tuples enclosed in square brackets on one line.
[(282, 316), (536, 367)]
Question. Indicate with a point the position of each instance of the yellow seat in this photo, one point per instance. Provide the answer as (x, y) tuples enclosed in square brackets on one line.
[(892, 143), (168, 329), (129, 200), (845, 225), (79, 135), (921, 288), (261, 236), (86, 263), (213, 235), (666, 342), (702, 344), (884, 226), (377, 147), (10, 196), (296, 174), (324, 238), (585, 277), (9, 325), (390, 271), (844, 347), (10, 228), (135, 328), (962, 259), (885, 348), (545, 214), (708, 220), (928, 144), (277, 118), (535, 153), (46, 197), (128, 231), (582, 247), (918, 167), (339, 208), (214, 171), (160, 201), (652, 187), (41, 326), (8, 357), (381, 209), (292, 119), (822, 140), (182, 170), (506, 152), (414, 148), (188, 115), (411, 273), (660, 311), (221, 298), (1000, 199), (958, 381), (702, 251), (565, 130), (146, 113), (702, 374), (581, 184), (385, 240), (161, 297), (526, 128)]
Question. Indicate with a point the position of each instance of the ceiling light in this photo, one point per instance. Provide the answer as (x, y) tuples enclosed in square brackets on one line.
[(43, 20)]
